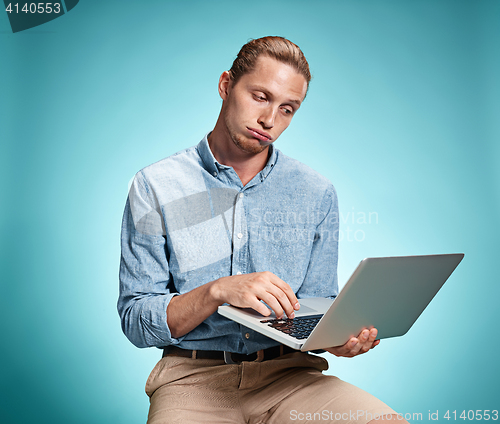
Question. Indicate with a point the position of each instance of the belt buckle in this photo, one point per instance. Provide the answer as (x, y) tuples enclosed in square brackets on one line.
[(228, 359)]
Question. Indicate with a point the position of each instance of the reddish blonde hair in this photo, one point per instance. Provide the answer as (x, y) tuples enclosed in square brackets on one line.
[(278, 48)]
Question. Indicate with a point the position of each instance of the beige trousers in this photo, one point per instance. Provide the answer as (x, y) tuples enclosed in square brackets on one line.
[(289, 389)]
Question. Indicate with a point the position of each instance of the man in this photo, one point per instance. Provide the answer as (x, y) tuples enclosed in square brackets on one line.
[(233, 220)]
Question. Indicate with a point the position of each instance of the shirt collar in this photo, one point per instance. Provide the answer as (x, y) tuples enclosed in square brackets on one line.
[(213, 166), (206, 155), (270, 162)]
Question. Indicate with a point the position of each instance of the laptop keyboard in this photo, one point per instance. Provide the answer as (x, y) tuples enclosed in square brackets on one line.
[(299, 327)]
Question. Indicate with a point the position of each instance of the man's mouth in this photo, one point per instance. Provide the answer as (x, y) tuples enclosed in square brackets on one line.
[(260, 135)]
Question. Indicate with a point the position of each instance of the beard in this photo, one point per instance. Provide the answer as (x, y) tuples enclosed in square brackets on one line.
[(240, 141)]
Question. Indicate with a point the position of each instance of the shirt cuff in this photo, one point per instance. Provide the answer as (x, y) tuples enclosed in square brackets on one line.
[(154, 322)]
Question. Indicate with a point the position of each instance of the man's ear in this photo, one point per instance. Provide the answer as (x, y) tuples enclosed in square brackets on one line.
[(224, 85)]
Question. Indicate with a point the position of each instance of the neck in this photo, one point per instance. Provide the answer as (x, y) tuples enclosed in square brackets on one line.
[(246, 165)]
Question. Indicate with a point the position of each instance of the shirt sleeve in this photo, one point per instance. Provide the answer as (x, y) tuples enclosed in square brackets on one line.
[(145, 289), (321, 276)]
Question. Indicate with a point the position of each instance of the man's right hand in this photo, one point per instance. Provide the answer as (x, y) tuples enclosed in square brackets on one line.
[(247, 291), (186, 311)]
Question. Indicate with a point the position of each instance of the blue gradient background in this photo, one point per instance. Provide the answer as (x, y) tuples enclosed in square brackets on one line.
[(402, 116)]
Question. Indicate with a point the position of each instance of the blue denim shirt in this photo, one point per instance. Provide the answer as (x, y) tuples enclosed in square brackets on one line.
[(189, 220)]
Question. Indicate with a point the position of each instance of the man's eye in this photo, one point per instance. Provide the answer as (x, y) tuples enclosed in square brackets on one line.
[(260, 98), (287, 111)]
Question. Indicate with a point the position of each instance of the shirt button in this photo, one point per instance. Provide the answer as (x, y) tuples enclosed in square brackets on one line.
[(242, 195), (240, 235), (215, 174), (238, 273), (247, 336)]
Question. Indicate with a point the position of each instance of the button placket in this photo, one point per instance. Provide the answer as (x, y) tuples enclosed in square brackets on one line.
[(239, 236), (238, 232)]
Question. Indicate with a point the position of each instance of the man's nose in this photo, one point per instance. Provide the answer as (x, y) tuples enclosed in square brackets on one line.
[(267, 117)]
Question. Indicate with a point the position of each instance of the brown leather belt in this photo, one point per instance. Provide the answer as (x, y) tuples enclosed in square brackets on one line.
[(228, 357)]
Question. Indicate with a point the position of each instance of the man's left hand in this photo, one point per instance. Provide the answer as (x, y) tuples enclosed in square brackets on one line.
[(355, 346)]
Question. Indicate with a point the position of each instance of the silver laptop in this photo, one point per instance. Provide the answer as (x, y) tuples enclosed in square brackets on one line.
[(386, 293)]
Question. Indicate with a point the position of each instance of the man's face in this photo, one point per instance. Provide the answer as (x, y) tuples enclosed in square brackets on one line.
[(260, 106)]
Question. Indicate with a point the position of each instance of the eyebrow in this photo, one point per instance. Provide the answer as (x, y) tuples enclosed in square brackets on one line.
[(264, 90)]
